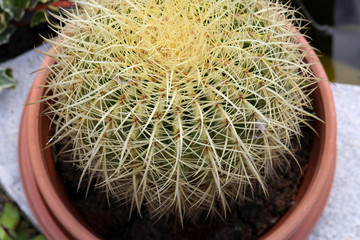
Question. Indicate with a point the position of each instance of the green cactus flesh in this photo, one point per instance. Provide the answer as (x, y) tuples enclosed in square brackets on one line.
[(178, 106)]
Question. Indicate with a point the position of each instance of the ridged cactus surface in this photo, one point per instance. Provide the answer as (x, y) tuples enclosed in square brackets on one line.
[(178, 106)]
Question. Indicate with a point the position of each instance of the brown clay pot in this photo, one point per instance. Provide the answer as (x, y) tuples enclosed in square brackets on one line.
[(301, 218), (59, 219)]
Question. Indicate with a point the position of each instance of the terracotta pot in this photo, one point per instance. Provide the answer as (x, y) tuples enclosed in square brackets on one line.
[(45, 192), (300, 219), (59, 219)]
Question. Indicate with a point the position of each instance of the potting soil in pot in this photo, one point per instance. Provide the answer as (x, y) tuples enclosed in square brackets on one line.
[(249, 219)]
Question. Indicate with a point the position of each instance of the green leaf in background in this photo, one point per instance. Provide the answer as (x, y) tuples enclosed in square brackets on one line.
[(39, 237), (5, 36), (13, 227), (14, 12), (4, 18), (39, 17), (6, 81), (19, 3), (36, 2), (25, 231), (33, 4), (9, 220)]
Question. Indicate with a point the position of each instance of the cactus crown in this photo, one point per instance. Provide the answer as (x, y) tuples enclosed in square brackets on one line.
[(178, 106)]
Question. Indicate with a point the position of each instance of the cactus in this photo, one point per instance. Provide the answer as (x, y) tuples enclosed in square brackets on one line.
[(178, 107)]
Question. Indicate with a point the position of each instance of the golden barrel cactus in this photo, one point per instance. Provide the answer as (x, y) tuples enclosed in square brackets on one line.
[(177, 106)]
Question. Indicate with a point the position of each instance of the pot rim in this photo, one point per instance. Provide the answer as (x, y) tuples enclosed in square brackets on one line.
[(289, 225), (46, 178), (42, 213), (308, 207)]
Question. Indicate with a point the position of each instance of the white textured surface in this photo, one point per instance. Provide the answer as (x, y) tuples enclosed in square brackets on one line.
[(11, 105), (341, 218)]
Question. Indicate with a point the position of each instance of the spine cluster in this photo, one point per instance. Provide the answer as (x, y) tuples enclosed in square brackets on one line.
[(178, 106)]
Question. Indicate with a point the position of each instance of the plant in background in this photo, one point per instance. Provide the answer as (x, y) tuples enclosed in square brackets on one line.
[(9, 12), (6, 78), (14, 227), (12, 11), (178, 106)]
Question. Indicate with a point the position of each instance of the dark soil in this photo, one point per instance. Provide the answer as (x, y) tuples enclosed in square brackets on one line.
[(248, 219)]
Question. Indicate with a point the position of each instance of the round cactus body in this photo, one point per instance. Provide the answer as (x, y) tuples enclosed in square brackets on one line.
[(177, 106)]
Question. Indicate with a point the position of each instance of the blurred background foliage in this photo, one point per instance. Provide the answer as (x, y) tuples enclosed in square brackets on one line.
[(12, 11), (335, 31), (22, 22), (13, 225)]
